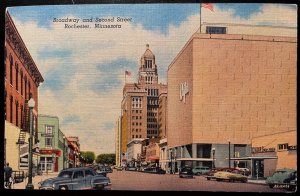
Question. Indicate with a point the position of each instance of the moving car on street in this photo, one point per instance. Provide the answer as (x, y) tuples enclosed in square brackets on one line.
[(283, 178), (78, 178)]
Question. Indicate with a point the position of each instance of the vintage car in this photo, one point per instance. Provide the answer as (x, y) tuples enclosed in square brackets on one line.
[(76, 179), (283, 178), (154, 170), (230, 176), (186, 172), (199, 170)]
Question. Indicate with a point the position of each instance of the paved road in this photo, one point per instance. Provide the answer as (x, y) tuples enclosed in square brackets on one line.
[(138, 181), (129, 180)]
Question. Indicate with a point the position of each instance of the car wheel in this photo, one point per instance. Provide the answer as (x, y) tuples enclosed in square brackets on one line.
[(63, 188), (208, 178), (271, 186), (198, 174)]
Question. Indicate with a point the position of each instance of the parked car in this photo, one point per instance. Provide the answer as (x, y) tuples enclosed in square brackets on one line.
[(243, 171), (131, 168), (200, 170), (154, 170), (230, 176), (186, 172), (211, 173), (76, 179), (283, 178)]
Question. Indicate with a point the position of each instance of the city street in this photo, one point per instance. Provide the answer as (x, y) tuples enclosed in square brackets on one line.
[(139, 181), (130, 180)]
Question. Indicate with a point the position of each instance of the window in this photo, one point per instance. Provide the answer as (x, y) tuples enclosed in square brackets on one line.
[(25, 87), (148, 63), (29, 89), (48, 136), (21, 82), (132, 136), (17, 113), (11, 69), (88, 173), (11, 108), (22, 114), (216, 30), (17, 76), (78, 174), (282, 146)]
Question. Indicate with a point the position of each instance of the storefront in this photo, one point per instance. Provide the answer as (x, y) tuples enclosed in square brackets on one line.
[(49, 160)]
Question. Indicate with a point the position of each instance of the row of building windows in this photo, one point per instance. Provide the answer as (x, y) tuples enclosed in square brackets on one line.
[(137, 117), (152, 102), (151, 114), (19, 109), (136, 123), (136, 130), (136, 111), (151, 125), (152, 92), (148, 64), (152, 132), (149, 79), (137, 136), (24, 83), (136, 105), (151, 119)]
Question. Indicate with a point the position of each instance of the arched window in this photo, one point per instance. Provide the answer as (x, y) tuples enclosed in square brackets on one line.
[(21, 81), (17, 76), (11, 69), (25, 87), (17, 113)]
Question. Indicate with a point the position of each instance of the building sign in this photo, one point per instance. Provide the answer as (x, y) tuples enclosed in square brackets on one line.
[(23, 156), (292, 147), (183, 90), (262, 149)]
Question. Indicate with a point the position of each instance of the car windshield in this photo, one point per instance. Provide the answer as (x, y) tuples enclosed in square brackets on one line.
[(65, 174)]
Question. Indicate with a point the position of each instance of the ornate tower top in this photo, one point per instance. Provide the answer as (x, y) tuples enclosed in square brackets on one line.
[(148, 68)]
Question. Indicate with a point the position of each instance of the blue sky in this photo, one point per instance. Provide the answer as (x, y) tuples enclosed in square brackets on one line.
[(84, 69)]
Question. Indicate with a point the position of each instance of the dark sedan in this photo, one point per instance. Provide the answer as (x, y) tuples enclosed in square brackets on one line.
[(186, 172), (76, 179), (154, 170)]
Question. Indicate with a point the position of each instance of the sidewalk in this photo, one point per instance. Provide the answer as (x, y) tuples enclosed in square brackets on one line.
[(35, 181)]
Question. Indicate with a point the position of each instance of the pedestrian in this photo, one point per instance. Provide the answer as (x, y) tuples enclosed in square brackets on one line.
[(7, 175)]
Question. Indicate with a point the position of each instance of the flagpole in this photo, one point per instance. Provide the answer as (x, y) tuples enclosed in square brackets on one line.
[(200, 17)]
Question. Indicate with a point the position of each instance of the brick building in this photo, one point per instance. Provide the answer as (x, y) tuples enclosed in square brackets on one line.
[(22, 79), (140, 102), (226, 89)]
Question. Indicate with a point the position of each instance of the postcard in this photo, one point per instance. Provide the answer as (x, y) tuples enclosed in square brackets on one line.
[(151, 97)]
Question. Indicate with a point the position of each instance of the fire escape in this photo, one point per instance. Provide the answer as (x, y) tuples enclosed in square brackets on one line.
[(24, 125)]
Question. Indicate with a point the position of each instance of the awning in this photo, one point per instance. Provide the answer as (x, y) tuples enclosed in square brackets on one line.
[(193, 159), (252, 157), (57, 152)]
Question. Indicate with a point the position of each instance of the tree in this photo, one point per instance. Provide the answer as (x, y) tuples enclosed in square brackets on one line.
[(87, 157), (109, 159)]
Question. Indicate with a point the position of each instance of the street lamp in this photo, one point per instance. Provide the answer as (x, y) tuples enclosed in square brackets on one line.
[(229, 153), (213, 152), (31, 104)]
